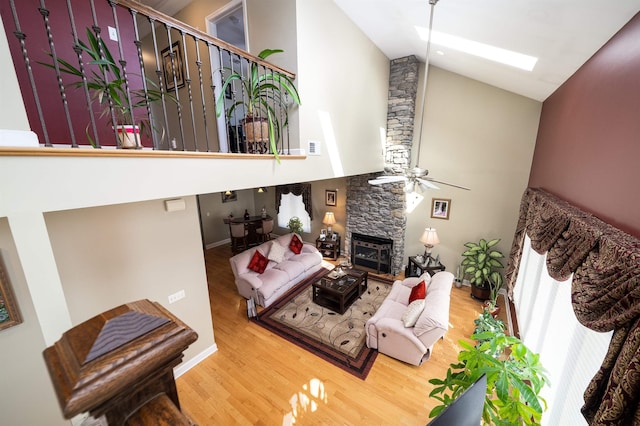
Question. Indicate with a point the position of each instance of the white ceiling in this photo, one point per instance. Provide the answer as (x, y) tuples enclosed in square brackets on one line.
[(563, 34)]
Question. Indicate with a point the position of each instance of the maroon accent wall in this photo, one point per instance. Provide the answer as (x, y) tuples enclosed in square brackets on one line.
[(32, 24), (588, 146)]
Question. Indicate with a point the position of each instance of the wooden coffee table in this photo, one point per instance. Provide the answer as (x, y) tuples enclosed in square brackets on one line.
[(338, 293)]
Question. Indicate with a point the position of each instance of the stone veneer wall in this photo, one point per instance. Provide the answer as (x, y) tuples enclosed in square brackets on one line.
[(379, 210)]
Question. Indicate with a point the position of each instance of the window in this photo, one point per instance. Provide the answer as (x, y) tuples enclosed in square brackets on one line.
[(292, 205), (570, 352)]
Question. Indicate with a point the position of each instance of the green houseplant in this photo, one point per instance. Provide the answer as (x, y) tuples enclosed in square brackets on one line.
[(260, 92), (482, 265), (295, 225), (515, 376), (107, 86)]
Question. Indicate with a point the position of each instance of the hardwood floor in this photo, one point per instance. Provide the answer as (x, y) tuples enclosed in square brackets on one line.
[(258, 378)]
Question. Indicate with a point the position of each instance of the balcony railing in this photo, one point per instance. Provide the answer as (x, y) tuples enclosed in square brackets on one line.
[(87, 67)]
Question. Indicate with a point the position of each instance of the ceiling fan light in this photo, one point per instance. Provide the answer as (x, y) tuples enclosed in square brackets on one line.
[(409, 187)]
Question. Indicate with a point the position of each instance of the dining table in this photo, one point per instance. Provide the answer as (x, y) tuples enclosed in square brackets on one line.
[(252, 223)]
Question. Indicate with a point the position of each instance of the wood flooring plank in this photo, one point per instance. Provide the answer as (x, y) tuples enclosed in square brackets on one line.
[(258, 378)]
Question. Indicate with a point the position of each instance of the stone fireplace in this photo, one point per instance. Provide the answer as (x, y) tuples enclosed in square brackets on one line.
[(379, 211), (371, 253)]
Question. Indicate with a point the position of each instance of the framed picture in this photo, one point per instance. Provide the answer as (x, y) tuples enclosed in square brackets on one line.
[(334, 236), (168, 67), (440, 208), (323, 234), (229, 196), (330, 197), (9, 313)]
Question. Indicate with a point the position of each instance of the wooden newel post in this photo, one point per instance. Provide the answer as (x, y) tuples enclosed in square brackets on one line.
[(120, 364)]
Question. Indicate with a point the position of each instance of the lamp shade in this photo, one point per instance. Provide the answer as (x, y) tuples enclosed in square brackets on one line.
[(329, 219), (429, 237)]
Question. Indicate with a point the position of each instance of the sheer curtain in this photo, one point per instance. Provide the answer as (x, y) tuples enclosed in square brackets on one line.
[(293, 205), (570, 352)]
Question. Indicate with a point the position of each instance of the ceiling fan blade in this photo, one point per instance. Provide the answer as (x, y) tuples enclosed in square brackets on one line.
[(427, 184), (386, 179), (391, 178), (449, 184)]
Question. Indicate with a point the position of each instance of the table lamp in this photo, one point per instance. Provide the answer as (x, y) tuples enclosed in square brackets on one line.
[(329, 219), (429, 239)]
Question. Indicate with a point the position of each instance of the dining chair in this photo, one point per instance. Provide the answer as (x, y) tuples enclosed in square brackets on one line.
[(265, 232), (239, 234)]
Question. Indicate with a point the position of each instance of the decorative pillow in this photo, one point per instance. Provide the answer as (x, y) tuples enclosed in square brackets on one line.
[(412, 313), (295, 245), (419, 291), (276, 253), (258, 262)]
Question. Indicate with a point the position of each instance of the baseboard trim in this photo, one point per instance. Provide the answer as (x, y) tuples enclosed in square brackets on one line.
[(186, 366), (218, 243)]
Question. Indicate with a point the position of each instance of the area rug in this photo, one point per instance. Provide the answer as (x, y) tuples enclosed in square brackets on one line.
[(338, 339)]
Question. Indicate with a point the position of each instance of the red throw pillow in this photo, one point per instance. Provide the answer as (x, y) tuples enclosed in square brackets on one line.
[(258, 262), (295, 245), (418, 292)]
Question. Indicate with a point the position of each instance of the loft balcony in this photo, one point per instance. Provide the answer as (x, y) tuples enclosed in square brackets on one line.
[(93, 72)]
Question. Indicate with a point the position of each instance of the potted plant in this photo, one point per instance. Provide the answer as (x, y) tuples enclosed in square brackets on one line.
[(260, 92), (482, 266), (295, 225), (108, 87), (515, 376)]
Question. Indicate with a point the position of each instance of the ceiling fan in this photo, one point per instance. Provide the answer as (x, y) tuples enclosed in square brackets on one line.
[(416, 177)]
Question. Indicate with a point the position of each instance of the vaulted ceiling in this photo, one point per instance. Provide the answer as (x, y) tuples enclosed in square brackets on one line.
[(562, 34)]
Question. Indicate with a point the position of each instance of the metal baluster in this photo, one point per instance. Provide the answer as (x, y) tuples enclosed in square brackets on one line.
[(174, 67), (87, 95), (284, 106), (123, 66), (23, 47), (200, 80), (138, 43), (187, 81), (97, 30), (227, 119), (161, 82), (45, 16)]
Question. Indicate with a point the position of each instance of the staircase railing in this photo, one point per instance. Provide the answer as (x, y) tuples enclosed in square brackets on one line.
[(88, 67)]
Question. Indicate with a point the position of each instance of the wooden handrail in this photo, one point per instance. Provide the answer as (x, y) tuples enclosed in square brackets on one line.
[(155, 14), (132, 153)]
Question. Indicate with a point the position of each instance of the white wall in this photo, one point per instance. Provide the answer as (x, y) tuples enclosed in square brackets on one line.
[(344, 81), (111, 255), (27, 393), (478, 136)]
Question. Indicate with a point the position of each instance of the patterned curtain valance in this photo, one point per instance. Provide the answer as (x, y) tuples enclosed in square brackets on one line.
[(303, 189), (605, 293)]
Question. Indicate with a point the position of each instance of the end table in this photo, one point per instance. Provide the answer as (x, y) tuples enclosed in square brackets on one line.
[(415, 268), (329, 247)]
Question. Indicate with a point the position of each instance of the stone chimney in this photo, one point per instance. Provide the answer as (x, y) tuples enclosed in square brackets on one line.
[(379, 210)]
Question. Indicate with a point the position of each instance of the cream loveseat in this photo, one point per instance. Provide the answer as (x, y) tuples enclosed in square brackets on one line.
[(386, 330), (284, 270)]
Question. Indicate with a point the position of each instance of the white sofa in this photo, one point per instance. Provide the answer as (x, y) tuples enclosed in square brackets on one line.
[(277, 278), (386, 331)]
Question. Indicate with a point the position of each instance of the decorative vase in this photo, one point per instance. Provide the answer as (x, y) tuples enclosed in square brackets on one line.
[(129, 136), (480, 293), (494, 311), (256, 132)]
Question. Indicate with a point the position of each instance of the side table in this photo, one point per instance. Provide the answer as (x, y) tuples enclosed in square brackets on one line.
[(415, 268), (329, 248)]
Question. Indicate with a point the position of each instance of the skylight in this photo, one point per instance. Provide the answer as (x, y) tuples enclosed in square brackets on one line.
[(492, 53)]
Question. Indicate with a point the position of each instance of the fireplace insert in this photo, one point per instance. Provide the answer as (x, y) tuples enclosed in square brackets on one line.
[(371, 253)]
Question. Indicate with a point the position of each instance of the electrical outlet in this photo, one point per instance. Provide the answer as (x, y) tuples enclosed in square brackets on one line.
[(176, 296), (113, 34)]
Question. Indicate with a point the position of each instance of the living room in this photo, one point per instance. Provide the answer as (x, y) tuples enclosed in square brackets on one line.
[(585, 151)]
